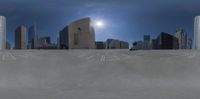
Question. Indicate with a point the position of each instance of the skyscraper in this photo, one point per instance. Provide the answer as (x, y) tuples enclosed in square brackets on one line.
[(166, 41), (20, 37), (197, 32), (2, 32), (81, 35), (182, 38), (147, 38), (147, 42), (32, 37), (63, 38)]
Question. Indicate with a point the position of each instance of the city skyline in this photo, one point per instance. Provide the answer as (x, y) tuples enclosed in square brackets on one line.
[(86, 26), (128, 22)]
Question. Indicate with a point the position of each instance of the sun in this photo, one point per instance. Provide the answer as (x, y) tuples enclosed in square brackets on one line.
[(99, 23)]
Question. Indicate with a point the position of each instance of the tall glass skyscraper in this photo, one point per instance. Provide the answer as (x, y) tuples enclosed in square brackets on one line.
[(32, 37), (20, 37), (197, 32), (2, 32)]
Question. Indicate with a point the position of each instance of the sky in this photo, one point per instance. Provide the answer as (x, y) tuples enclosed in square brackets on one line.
[(126, 20)]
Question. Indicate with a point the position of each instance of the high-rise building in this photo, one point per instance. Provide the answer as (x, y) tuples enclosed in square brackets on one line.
[(8, 45), (147, 42), (32, 37), (64, 38), (20, 37), (189, 43), (81, 35), (2, 32), (197, 32), (147, 38), (154, 44), (166, 41), (182, 38)]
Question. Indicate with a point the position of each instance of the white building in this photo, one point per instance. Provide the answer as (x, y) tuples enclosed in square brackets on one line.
[(81, 35), (2, 32), (116, 44), (197, 32)]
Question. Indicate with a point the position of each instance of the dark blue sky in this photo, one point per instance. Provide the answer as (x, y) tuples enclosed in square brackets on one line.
[(125, 19)]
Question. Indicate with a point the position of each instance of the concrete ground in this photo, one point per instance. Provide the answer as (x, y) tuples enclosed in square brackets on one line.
[(99, 74)]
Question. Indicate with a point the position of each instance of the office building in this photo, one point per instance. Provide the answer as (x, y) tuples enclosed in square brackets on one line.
[(197, 32), (189, 43), (182, 38), (32, 37), (2, 32), (166, 41), (154, 44), (112, 44), (124, 45), (81, 35), (8, 45), (147, 38), (20, 37), (100, 45), (43, 41), (63, 38), (147, 42), (138, 45), (116, 44)]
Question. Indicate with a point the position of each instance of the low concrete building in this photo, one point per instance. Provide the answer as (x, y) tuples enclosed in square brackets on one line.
[(112, 44), (124, 45), (100, 45), (116, 44), (138, 45)]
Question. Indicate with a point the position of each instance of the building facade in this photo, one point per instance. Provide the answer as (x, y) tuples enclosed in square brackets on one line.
[(147, 42), (43, 41), (8, 45), (81, 35), (182, 38), (166, 41), (20, 37), (189, 43), (2, 32), (116, 44), (32, 37), (138, 45), (197, 32), (112, 44), (100, 45), (64, 38), (124, 45)]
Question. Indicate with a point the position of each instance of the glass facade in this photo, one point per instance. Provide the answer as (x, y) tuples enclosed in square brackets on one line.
[(197, 32), (2, 32)]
